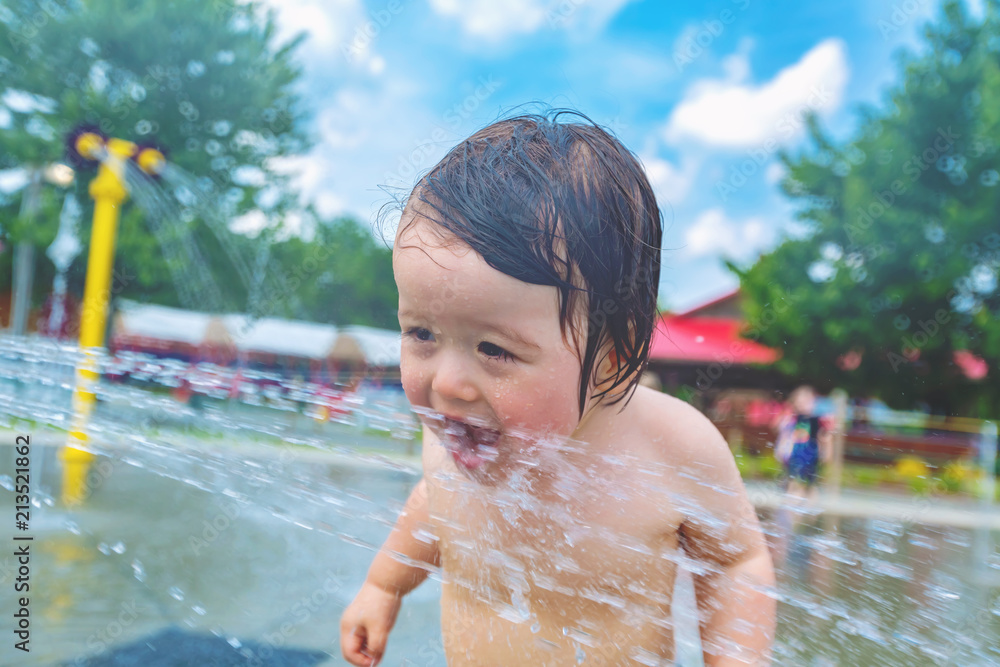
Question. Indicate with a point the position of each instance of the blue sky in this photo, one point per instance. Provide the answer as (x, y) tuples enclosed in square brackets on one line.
[(697, 90)]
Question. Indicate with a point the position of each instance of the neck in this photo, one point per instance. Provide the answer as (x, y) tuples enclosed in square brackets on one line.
[(594, 427)]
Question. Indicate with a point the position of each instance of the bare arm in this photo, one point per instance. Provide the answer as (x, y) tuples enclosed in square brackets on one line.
[(388, 573), (734, 586), (737, 616), (399, 566)]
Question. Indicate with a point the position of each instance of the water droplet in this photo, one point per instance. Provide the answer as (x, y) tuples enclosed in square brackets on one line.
[(195, 68), (831, 252), (118, 547), (188, 110), (89, 47), (934, 233), (176, 593)]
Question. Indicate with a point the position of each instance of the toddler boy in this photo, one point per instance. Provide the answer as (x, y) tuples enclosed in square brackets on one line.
[(558, 495)]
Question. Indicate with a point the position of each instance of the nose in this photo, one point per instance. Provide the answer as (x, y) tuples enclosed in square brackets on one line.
[(453, 379)]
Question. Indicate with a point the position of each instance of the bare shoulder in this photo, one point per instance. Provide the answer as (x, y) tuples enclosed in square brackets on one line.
[(720, 524), (681, 434)]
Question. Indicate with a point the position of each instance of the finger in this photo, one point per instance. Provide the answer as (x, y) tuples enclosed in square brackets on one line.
[(375, 645), (352, 642)]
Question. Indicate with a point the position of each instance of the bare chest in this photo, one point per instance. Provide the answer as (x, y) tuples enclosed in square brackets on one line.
[(605, 548)]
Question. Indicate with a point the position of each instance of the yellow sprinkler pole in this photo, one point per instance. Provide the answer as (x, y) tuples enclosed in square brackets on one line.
[(108, 191)]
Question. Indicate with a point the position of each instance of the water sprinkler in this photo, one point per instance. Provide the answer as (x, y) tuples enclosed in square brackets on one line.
[(88, 147)]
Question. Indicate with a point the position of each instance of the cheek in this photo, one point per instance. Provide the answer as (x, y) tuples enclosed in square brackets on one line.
[(544, 406), (411, 377)]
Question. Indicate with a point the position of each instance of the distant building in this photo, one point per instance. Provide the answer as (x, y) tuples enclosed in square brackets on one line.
[(700, 352), (173, 333), (310, 351)]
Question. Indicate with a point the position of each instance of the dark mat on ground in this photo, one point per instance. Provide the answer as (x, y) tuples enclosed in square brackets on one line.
[(175, 647)]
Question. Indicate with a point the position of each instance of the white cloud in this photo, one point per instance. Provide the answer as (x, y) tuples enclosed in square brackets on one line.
[(12, 180), (713, 233), (670, 182), (297, 223), (493, 20), (249, 224), (369, 136), (733, 114), (247, 174), (497, 21), (774, 172), (340, 32), (737, 67), (329, 204)]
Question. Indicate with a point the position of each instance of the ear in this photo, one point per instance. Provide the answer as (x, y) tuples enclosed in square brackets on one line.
[(607, 365)]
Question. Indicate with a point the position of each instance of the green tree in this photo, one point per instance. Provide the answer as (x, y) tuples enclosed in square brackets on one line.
[(205, 80), (900, 261), (342, 275)]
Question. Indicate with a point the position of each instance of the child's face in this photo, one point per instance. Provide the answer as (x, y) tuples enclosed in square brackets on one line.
[(481, 348), (804, 402)]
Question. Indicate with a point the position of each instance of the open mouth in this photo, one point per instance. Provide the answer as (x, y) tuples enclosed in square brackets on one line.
[(470, 446)]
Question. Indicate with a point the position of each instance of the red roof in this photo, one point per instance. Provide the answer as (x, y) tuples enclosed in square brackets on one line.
[(732, 294), (706, 339)]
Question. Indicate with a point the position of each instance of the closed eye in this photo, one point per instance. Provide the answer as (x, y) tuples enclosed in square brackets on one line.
[(495, 351)]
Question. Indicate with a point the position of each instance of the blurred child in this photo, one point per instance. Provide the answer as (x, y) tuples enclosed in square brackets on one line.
[(803, 442), (558, 496)]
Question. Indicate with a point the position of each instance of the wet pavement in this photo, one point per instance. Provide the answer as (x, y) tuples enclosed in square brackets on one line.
[(246, 557)]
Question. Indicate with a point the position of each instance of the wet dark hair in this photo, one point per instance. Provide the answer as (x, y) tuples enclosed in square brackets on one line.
[(562, 204)]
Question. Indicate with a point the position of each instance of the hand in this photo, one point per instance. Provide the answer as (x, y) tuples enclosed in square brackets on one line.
[(365, 625)]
